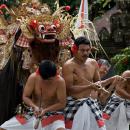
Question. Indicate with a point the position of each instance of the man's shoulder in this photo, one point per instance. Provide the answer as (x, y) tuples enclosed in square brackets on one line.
[(91, 60), (33, 75), (60, 80), (69, 63)]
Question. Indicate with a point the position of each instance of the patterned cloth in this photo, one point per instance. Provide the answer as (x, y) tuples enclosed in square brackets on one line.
[(66, 42), (23, 41), (71, 108), (47, 119), (73, 105), (112, 104), (31, 124)]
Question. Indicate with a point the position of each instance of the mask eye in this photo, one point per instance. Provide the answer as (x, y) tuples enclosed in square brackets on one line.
[(53, 27), (41, 28)]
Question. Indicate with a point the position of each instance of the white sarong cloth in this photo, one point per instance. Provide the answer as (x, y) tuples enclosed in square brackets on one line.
[(127, 104), (13, 124), (74, 105), (84, 119), (118, 119), (111, 106)]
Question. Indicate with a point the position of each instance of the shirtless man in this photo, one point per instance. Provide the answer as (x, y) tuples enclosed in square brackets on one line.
[(116, 109), (45, 93), (104, 67), (118, 84), (80, 73), (81, 70)]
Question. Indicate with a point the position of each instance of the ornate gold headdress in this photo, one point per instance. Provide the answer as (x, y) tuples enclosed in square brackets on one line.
[(35, 26)]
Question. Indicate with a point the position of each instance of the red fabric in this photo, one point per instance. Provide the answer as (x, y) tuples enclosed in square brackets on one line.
[(99, 65), (106, 116), (3, 6), (37, 71), (74, 49), (51, 119), (23, 41), (68, 124), (22, 120), (101, 123)]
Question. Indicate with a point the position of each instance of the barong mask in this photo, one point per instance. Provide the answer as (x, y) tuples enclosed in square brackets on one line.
[(47, 28), (49, 34)]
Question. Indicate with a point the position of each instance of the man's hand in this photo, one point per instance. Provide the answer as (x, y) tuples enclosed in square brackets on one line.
[(119, 78), (104, 91), (97, 86), (42, 112), (37, 111)]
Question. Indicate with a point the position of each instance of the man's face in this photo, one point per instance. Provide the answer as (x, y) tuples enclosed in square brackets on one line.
[(83, 52), (103, 70), (126, 75)]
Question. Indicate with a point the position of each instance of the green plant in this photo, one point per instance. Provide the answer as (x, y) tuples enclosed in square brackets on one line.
[(121, 61)]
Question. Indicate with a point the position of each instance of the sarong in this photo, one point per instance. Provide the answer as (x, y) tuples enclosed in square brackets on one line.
[(127, 104), (51, 121), (73, 105), (110, 107), (85, 120), (116, 114), (118, 120)]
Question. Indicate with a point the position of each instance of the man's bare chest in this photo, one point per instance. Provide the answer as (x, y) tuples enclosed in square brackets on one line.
[(82, 74)]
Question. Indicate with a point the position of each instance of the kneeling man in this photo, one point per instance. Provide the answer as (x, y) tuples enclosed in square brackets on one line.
[(117, 110), (45, 94)]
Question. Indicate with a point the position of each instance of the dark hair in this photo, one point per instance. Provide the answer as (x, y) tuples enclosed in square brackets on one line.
[(81, 40), (47, 69), (104, 62)]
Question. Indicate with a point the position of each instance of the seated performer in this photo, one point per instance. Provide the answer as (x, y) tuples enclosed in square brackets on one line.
[(80, 73), (117, 110), (104, 67), (45, 94)]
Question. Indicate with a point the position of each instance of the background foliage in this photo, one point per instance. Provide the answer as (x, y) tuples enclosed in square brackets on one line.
[(122, 60), (96, 7)]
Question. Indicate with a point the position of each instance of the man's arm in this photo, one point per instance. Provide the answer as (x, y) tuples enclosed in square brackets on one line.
[(121, 90), (61, 98), (96, 74), (108, 81), (27, 93), (67, 73), (123, 93), (112, 81)]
